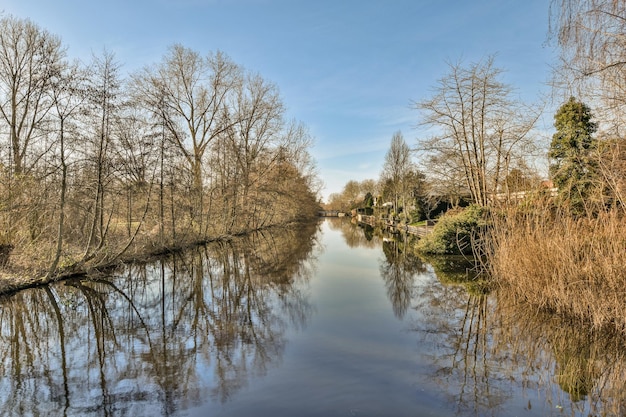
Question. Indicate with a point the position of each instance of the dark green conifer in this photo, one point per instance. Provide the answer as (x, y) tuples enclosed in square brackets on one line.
[(573, 167)]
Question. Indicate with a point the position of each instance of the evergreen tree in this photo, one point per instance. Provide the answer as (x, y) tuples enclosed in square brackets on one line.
[(573, 168), (368, 201)]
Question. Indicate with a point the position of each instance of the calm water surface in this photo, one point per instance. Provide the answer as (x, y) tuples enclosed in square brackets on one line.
[(331, 321)]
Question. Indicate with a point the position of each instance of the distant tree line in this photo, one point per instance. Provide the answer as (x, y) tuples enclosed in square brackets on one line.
[(94, 165), (482, 149), (481, 144)]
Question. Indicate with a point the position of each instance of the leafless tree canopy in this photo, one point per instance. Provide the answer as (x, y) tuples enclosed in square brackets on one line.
[(592, 39), (29, 58), (94, 166), (397, 168), (477, 127)]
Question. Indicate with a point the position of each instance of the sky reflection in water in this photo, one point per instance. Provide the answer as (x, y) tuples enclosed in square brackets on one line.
[(349, 324)]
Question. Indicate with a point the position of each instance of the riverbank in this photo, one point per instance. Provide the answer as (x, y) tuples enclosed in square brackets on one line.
[(19, 279), (393, 226), (545, 258)]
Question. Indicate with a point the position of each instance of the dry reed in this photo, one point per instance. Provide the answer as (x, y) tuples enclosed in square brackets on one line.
[(554, 262)]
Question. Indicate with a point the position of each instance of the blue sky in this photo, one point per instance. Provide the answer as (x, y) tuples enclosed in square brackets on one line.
[(348, 69)]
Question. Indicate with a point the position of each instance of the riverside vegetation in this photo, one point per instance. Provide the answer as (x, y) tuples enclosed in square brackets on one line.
[(545, 258), (96, 168), (555, 244), (565, 254), (573, 267), (543, 254)]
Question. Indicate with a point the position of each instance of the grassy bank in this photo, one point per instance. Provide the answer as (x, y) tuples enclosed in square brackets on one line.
[(570, 266)]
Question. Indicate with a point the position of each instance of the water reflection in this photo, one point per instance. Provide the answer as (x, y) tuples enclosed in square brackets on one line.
[(399, 266), (399, 269), (587, 369), (160, 337), (493, 356), (488, 353), (192, 331), (357, 235)]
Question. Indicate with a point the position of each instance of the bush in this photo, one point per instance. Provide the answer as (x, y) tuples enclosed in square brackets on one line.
[(455, 232)]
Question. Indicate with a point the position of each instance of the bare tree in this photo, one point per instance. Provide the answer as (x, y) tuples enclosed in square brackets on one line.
[(352, 193), (591, 34), (295, 144), (67, 98), (446, 180), (477, 126), (289, 185), (397, 168), (592, 38), (104, 98), (370, 186), (192, 93), (29, 58), (80, 163), (254, 128)]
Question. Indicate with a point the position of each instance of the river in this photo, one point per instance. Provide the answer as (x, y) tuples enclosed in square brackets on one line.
[(330, 320)]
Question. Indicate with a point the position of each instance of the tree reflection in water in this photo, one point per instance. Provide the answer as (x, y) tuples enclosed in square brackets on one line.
[(586, 369), (486, 349), (160, 337), (355, 235), (399, 270), (490, 352)]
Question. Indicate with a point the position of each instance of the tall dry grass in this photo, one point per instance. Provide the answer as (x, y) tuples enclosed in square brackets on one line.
[(551, 261)]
